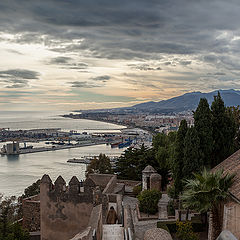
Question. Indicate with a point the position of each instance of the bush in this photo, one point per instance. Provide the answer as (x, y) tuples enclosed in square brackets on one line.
[(171, 208), (148, 200), (137, 189), (185, 231), (171, 192), (162, 226)]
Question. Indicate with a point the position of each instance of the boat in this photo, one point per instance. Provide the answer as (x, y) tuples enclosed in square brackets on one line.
[(116, 144), (82, 160)]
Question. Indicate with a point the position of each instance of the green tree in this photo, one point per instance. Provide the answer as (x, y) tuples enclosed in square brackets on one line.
[(133, 161), (8, 229), (193, 161), (163, 147), (178, 163), (207, 192), (32, 190), (224, 130), (234, 113), (101, 165), (148, 201), (204, 128)]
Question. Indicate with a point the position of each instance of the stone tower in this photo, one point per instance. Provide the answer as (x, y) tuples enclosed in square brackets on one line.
[(151, 179)]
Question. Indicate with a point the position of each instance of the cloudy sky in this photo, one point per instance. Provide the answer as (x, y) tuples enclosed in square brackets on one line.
[(79, 54)]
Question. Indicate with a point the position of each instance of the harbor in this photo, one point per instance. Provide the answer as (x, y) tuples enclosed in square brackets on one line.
[(44, 149)]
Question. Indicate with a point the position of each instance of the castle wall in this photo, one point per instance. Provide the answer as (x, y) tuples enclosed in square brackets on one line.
[(65, 211)]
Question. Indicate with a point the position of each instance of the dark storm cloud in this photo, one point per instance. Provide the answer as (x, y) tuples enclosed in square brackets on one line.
[(17, 78), (68, 63), (136, 29), (83, 84), (144, 67), (103, 78)]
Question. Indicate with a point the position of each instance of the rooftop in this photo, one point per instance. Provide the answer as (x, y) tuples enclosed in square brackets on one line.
[(231, 165)]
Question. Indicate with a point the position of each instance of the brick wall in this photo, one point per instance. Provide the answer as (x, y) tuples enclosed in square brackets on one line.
[(31, 214)]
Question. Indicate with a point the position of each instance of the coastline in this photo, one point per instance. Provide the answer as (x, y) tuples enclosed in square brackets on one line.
[(77, 116)]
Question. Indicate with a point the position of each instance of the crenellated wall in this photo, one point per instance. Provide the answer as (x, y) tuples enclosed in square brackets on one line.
[(65, 210)]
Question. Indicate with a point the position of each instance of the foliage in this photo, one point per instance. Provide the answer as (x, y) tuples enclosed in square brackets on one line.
[(185, 231), (207, 192), (148, 201), (234, 113), (179, 156), (137, 189), (163, 146), (204, 129), (192, 161), (100, 165), (224, 130), (32, 190), (171, 208), (162, 226), (171, 191), (8, 229), (133, 161)]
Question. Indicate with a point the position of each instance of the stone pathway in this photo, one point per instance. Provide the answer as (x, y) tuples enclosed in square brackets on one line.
[(113, 232)]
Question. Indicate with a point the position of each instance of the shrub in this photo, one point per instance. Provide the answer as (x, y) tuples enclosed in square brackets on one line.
[(171, 208), (137, 189), (148, 200), (171, 192), (185, 231), (162, 226)]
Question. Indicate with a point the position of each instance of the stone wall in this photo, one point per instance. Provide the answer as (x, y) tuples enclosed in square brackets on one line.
[(31, 213), (231, 218), (65, 211)]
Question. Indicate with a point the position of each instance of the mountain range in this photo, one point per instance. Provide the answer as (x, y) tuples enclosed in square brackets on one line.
[(188, 102)]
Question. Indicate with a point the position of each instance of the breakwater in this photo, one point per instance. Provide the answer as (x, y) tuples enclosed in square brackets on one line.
[(54, 148)]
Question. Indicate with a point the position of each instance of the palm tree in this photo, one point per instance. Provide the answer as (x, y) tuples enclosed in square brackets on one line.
[(207, 193)]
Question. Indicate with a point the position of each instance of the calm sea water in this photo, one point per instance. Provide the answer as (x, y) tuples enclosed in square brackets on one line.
[(18, 172)]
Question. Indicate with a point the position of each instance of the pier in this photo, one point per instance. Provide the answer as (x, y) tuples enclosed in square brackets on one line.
[(54, 148)]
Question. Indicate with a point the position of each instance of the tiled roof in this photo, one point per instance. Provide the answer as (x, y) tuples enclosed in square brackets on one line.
[(149, 169), (232, 165)]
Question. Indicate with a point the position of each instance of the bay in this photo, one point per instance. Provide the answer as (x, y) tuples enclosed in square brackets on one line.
[(18, 172)]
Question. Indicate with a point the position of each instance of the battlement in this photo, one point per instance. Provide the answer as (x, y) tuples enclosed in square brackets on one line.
[(66, 209), (76, 191)]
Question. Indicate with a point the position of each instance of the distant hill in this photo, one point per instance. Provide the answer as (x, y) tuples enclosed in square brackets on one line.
[(188, 101)]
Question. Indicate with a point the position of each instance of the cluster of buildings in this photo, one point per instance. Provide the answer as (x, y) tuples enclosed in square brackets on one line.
[(78, 211), (154, 122)]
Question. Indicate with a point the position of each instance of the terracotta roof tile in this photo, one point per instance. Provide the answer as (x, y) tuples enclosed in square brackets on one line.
[(232, 165)]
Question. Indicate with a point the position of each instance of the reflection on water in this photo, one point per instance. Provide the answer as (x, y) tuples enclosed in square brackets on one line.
[(12, 157)]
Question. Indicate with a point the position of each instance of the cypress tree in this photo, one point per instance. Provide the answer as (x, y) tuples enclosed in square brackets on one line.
[(193, 160), (204, 128), (179, 155), (224, 130)]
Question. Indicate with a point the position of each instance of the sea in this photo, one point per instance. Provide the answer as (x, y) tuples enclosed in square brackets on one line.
[(19, 171)]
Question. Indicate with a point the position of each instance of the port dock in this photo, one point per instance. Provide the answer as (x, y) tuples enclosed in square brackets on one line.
[(54, 148)]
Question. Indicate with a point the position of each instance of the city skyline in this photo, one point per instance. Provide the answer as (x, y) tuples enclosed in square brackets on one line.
[(67, 55)]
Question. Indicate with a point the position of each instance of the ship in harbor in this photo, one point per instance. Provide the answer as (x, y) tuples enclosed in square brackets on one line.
[(87, 159)]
